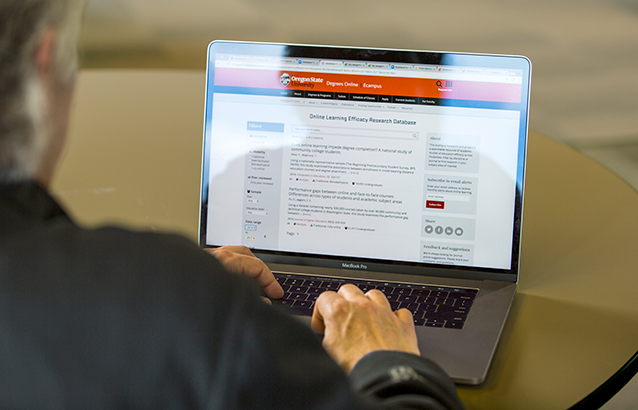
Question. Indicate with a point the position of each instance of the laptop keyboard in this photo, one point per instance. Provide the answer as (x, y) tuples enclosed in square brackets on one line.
[(432, 306)]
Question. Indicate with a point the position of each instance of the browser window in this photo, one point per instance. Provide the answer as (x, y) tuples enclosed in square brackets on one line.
[(365, 159)]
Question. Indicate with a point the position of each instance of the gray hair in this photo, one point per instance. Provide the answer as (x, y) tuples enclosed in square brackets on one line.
[(23, 129)]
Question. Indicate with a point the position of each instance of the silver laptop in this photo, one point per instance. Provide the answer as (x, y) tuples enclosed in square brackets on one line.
[(398, 170)]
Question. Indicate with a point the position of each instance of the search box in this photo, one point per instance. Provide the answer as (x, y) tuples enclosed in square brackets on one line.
[(311, 130)]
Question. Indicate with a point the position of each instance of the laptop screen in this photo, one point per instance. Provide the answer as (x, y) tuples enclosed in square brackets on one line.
[(358, 158)]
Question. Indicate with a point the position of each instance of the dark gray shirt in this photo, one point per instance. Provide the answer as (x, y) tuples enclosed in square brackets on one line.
[(110, 318)]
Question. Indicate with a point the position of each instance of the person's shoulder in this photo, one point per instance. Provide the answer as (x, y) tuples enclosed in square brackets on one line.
[(112, 253), (115, 240), (163, 251), (147, 240)]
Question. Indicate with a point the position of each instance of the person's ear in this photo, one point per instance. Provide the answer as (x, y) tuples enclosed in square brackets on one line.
[(45, 51)]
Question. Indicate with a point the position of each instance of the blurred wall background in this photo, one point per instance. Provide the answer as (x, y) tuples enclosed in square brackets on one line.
[(584, 52)]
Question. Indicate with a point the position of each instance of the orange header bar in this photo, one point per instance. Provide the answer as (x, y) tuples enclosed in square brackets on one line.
[(363, 84)]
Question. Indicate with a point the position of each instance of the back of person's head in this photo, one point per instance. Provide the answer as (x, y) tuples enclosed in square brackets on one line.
[(23, 126)]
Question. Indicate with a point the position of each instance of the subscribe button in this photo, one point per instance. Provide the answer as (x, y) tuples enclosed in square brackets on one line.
[(435, 204)]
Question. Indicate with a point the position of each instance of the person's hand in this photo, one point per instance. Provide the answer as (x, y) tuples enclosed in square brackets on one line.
[(355, 324), (240, 260)]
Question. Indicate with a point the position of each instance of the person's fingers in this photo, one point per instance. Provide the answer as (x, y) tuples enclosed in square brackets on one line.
[(407, 327), (350, 292), (330, 304), (378, 297), (240, 260), (405, 316), (243, 250), (322, 307), (255, 268)]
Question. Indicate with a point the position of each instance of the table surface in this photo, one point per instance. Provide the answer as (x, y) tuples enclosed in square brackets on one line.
[(134, 158)]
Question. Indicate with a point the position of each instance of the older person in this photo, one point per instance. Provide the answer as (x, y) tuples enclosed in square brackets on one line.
[(109, 318)]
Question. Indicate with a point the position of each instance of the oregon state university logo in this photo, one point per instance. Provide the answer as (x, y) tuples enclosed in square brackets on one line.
[(284, 79)]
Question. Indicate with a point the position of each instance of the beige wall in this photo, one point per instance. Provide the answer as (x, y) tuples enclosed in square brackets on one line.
[(585, 79)]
